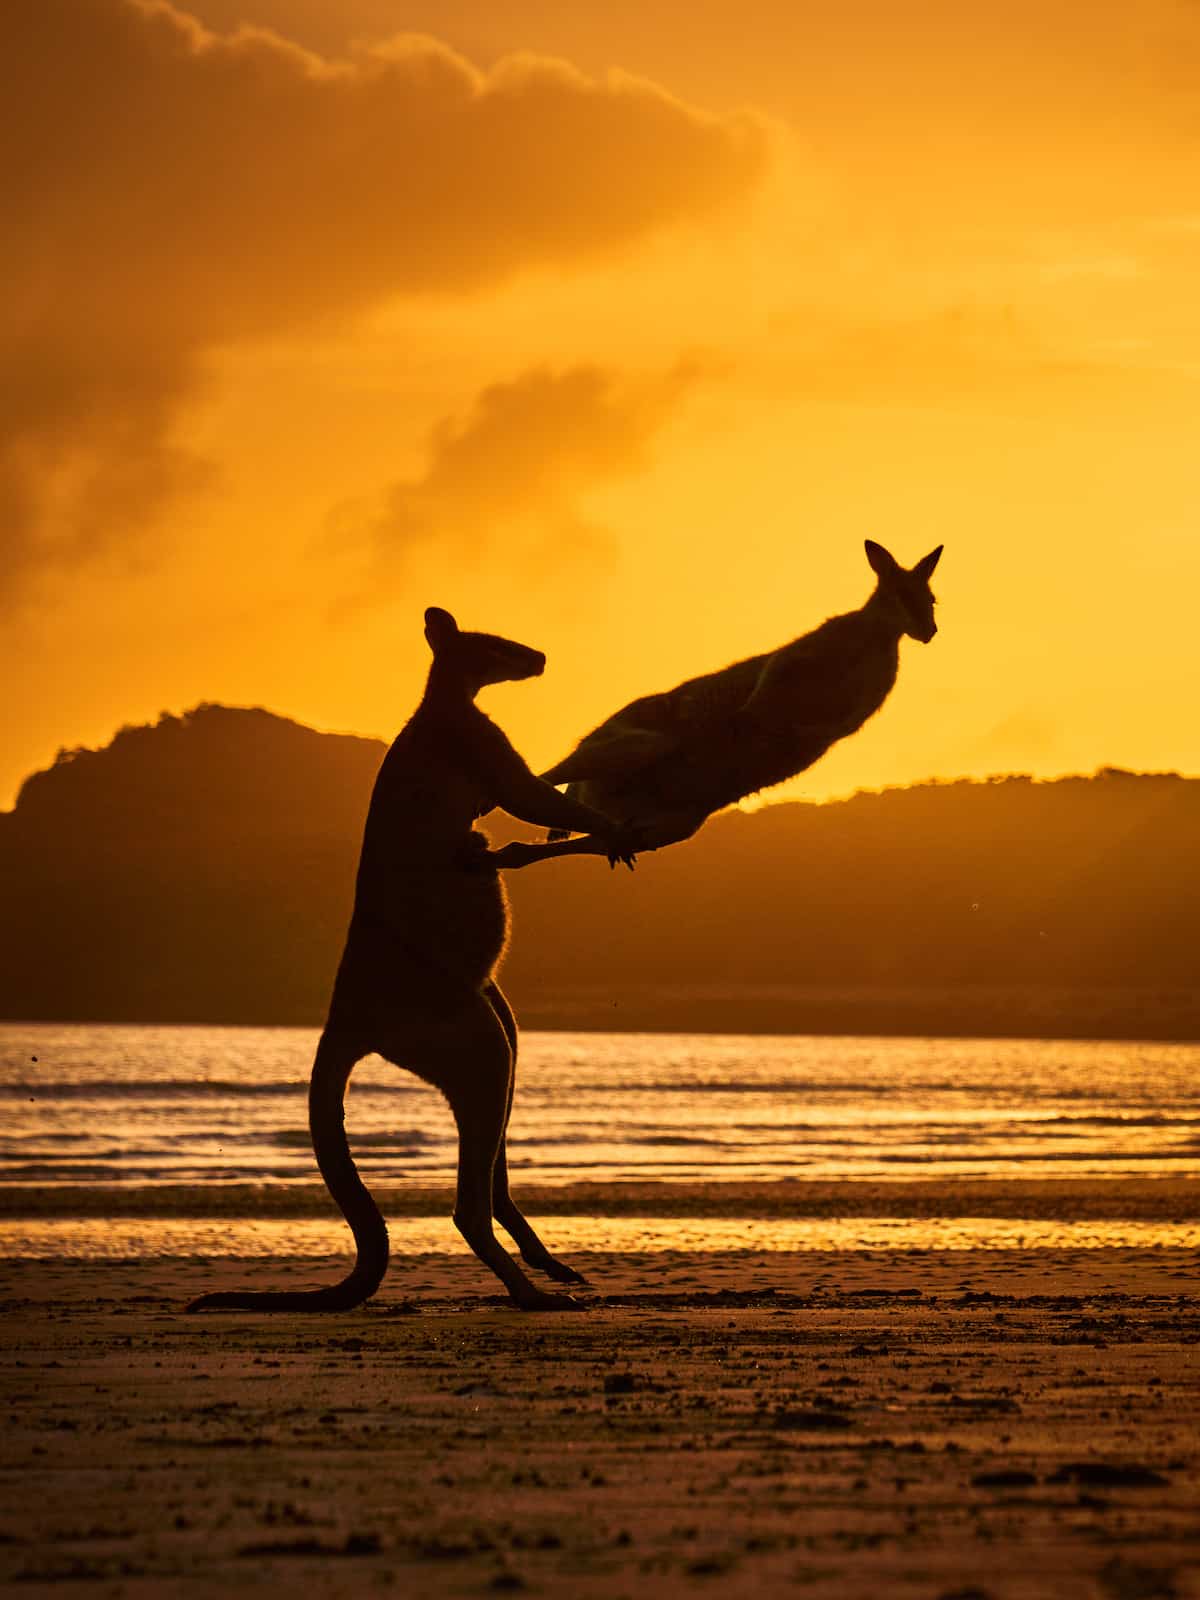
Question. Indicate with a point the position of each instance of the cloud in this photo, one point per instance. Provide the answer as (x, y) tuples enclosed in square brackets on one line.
[(172, 191), (86, 451), (522, 459)]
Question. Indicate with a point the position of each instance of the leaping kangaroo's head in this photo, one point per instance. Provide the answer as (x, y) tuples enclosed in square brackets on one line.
[(479, 658), (907, 589)]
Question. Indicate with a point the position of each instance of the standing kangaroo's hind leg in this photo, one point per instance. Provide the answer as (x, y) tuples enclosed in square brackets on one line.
[(464, 1051), (504, 1208)]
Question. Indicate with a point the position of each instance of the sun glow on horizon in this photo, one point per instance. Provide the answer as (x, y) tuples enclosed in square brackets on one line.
[(627, 364)]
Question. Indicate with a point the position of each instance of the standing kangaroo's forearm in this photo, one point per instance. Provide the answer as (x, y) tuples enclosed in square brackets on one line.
[(530, 799), (573, 814)]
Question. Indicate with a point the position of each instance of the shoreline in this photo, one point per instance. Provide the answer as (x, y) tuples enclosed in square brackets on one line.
[(1169, 1198)]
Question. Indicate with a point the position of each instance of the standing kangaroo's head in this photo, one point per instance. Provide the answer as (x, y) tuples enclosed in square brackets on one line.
[(906, 590), (479, 658)]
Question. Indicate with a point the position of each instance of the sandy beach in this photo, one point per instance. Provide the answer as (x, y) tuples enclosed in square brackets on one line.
[(1000, 1425)]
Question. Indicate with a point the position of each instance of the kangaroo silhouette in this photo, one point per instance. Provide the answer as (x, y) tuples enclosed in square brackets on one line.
[(415, 984), (672, 759)]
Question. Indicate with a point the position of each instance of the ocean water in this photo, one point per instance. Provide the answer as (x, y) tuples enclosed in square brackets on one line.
[(145, 1106), (140, 1109)]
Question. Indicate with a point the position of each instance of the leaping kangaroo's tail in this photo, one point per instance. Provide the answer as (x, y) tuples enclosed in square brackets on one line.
[(326, 1120)]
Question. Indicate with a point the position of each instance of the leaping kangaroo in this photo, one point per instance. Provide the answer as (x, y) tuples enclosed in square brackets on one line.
[(416, 985), (672, 759)]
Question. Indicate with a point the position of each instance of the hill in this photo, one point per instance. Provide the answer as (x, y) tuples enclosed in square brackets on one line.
[(201, 870)]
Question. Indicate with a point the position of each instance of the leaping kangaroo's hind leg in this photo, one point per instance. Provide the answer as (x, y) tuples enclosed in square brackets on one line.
[(462, 1048), (504, 1208)]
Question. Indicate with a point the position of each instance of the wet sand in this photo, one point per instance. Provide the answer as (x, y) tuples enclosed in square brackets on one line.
[(1000, 1425), (1163, 1197)]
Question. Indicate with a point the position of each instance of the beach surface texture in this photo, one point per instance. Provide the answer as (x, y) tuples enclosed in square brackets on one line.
[(999, 1424)]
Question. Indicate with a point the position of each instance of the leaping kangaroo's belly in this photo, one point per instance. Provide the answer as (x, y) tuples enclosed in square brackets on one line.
[(706, 775), (722, 764)]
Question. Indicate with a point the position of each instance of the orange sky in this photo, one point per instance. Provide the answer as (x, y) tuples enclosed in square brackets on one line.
[(612, 327)]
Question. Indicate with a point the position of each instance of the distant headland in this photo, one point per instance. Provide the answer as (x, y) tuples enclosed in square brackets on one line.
[(201, 870)]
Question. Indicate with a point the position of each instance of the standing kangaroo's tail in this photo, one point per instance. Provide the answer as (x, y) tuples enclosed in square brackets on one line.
[(326, 1121)]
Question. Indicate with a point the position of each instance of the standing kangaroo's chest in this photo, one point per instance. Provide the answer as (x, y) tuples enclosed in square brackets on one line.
[(421, 885), (426, 797)]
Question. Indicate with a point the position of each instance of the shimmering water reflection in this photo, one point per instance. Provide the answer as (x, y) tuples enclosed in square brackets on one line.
[(140, 1107)]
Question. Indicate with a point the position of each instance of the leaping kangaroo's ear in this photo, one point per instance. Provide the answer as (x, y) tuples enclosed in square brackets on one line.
[(883, 563), (924, 567), (440, 628)]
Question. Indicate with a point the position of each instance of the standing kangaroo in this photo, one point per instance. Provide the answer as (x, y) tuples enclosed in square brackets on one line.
[(416, 985), (672, 759)]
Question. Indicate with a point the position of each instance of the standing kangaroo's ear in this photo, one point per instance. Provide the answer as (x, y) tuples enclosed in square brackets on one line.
[(440, 628), (924, 567), (883, 563)]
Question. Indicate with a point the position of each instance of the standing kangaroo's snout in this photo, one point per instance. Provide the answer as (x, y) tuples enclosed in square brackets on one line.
[(511, 662)]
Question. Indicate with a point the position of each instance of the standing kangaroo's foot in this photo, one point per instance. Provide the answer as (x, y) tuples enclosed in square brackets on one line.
[(547, 1300), (533, 1252), (524, 1294), (558, 1270)]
